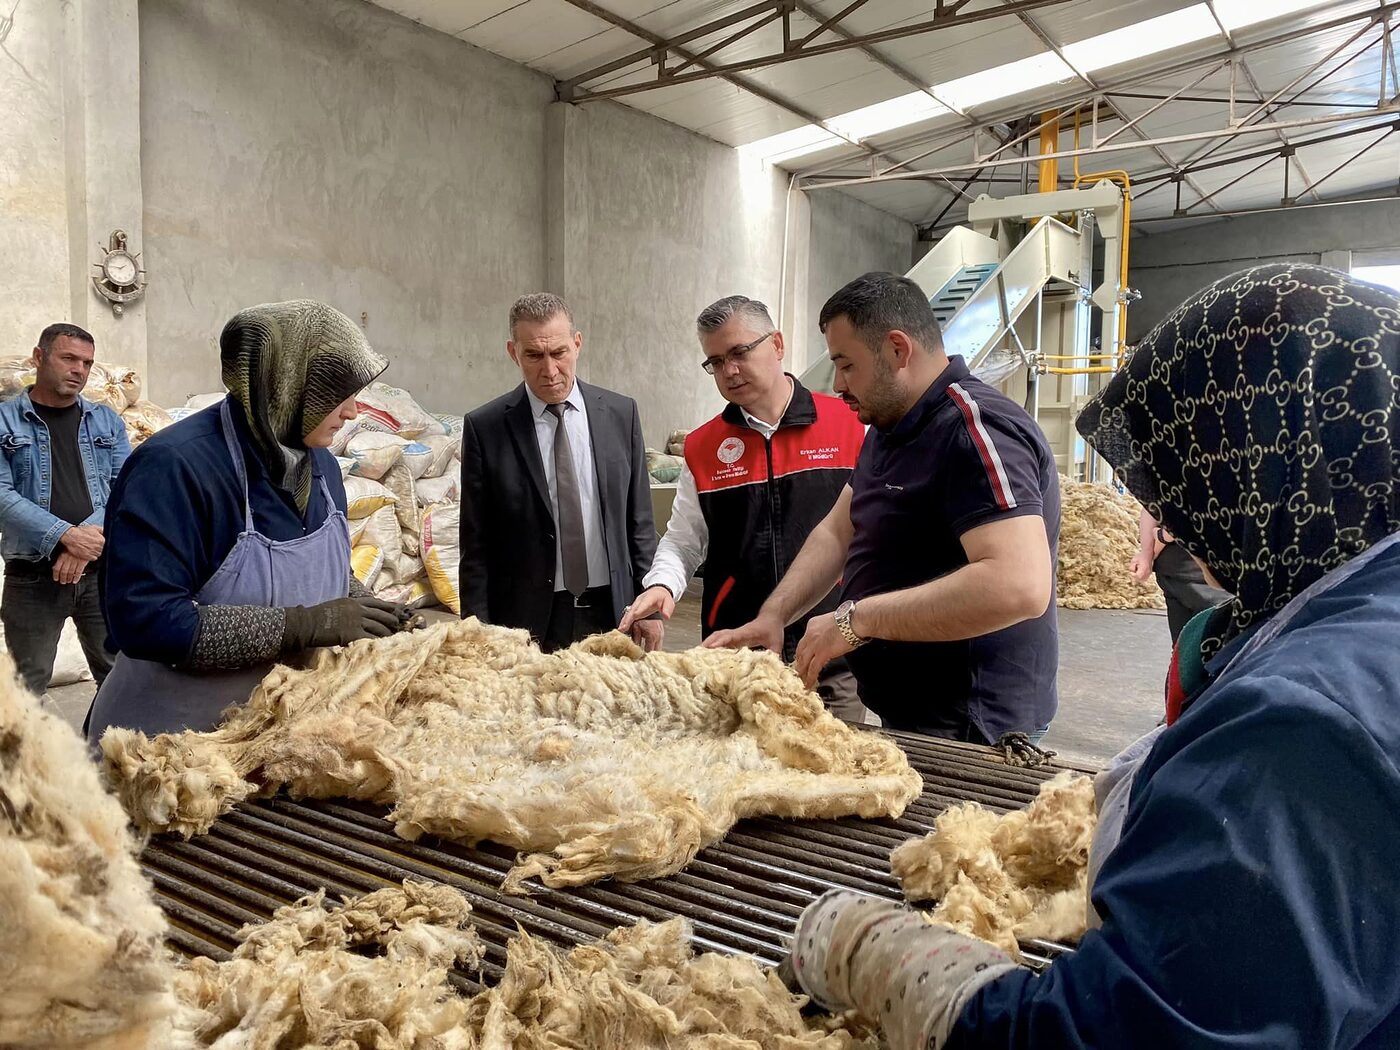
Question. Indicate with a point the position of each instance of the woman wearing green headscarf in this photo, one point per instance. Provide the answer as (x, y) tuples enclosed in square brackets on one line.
[(227, 542)]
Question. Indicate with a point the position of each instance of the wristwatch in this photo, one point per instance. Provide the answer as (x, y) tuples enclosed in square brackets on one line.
[(844, 612)]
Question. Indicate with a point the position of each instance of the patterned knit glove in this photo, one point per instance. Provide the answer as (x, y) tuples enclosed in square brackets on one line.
[(886, 961)]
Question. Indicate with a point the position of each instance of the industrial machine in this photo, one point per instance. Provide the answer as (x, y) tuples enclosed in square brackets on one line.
[(1016, 295)]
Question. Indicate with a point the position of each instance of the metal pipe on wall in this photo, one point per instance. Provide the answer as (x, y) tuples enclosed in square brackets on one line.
[(1049, 144)]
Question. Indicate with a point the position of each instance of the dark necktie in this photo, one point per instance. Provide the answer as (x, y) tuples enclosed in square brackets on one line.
[(571, 543)]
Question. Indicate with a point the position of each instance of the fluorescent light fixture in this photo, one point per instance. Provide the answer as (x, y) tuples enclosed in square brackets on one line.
[(1149, 37), (1013, 78), (1236, 14), (789, 145), (888, 115)]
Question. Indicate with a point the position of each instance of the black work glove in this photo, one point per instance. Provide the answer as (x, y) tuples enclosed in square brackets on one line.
[(338, 622)]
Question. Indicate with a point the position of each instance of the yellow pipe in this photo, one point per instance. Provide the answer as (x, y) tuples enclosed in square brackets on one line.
[(1080, 371), (1049, 143)]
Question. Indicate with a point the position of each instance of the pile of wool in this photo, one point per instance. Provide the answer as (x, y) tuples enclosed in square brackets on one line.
[(642, 987), (1011, 877), (373, 972), (598, 760), (370, 973), (1098, 538), (82, 961)]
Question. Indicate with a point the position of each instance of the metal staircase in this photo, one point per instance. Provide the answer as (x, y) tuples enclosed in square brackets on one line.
[(959, 289), (978, 305)]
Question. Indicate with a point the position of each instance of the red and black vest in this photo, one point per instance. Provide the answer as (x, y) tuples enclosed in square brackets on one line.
[(762, 497)]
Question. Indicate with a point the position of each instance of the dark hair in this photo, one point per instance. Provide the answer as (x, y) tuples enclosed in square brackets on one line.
[(718, 314), (878, 303), (53, 331)]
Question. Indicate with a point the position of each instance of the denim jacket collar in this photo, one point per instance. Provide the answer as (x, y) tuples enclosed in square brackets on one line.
[(27, 405)]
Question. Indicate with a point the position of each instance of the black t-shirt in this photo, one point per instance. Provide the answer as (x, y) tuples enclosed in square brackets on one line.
[(963, 456), (69, 499)]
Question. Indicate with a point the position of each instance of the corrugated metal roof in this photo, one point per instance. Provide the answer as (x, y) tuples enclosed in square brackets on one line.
[(563, 41)]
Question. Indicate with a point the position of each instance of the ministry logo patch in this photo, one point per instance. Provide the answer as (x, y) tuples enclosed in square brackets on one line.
[(731, 450)]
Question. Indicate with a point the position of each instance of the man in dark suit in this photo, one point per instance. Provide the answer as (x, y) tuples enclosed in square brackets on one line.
[(557, 529)]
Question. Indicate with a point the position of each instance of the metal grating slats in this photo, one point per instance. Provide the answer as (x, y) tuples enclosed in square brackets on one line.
[(741, 895)]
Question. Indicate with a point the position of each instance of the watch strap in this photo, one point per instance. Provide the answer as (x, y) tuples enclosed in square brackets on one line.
[(843, 624)]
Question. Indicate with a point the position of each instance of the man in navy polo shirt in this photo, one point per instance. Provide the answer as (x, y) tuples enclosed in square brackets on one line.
[(944, 541)]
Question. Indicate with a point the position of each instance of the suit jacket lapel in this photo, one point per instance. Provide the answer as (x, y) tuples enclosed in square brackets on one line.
[(600, 433), (522, 431)]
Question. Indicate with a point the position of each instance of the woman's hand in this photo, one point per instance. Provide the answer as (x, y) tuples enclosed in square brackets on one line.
[(1140, 567)]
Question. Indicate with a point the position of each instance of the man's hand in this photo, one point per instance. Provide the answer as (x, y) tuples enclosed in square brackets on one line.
[(648, 634), (762, 632), (822, 643), (655, 599), (85, 541), (69, 568), (1140, 567)]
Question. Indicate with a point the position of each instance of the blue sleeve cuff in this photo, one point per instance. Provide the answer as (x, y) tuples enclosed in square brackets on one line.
[(50, 541)]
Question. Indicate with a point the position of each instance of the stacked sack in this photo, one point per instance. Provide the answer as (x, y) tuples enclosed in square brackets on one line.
[(663, 468), (402, 467), (116, 386)]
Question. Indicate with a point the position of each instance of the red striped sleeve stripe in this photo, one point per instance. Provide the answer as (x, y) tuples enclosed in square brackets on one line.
[(986, 448)]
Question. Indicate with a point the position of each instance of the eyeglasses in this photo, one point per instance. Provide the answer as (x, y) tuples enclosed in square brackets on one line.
[(737, 355)]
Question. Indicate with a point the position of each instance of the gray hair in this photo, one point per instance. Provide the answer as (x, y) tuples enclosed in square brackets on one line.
[(719, 313), (538, 307)]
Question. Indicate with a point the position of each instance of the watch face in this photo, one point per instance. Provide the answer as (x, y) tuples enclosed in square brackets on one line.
[(120, 268)]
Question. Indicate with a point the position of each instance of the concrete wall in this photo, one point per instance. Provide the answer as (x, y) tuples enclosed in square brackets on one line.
[(33, 195), (849, 238), (656, 224), (70, 167), (1168, 267), (332, 150), (327, 148)]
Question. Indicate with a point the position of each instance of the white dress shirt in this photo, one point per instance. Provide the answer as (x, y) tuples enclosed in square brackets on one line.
[(680, 552), (581, 447)]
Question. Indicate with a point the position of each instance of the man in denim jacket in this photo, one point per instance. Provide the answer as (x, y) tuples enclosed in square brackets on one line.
[(59, 455)]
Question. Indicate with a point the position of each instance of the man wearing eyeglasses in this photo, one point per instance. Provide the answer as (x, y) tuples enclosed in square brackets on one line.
[(944, 543), (757, 479)]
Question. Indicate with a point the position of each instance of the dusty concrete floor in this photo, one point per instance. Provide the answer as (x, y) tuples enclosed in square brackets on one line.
[(1112, 669)]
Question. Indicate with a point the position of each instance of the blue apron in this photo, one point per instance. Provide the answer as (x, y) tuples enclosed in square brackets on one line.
[(315, 568)]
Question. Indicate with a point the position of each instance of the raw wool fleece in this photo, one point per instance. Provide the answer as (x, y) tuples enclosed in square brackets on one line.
[(642, 986), (1008, 877), (304, 979), (598, 760), (372, 972), (1098, 538), (82, 958)]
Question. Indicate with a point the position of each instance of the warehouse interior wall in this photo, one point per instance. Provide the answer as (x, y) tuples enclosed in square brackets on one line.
[(849, 238), (70, 167), (649, 224), (1170, 266), (330, 149)]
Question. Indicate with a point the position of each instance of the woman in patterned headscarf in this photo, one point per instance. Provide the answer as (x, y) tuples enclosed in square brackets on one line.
[(226, 537), (1246, 863)]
